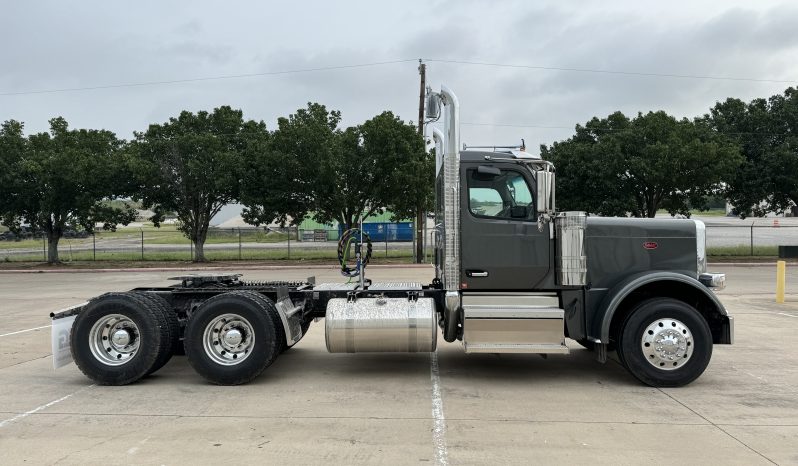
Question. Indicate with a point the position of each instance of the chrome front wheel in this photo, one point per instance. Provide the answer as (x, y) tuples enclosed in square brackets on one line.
[(667, 344)]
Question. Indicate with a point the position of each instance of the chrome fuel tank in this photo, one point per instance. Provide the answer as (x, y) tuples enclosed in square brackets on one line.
[(381, 325)]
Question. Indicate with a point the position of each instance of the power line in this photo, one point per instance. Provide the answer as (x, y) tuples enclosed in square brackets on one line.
[(207, 78), (516, 126), (388, 62), (616, 72)]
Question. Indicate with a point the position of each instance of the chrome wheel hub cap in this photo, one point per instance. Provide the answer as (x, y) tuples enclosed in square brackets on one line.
[(228, 339), (120, 338), (233, 337), (667, 344), (114, 339)]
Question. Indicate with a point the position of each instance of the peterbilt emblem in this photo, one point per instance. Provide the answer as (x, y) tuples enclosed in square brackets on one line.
[(650, 245)]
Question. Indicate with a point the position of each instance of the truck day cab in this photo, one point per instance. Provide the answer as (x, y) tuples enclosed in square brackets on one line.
[(512, 275)]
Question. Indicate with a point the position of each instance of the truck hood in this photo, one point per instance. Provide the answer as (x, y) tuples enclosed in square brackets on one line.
[(623, 227), (618, 247)]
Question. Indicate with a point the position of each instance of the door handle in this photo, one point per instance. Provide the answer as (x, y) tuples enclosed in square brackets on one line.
[(476, 273)]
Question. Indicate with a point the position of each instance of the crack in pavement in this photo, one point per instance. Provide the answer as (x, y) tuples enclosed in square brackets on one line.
[(718, 426), (25, 362), (708, 422)]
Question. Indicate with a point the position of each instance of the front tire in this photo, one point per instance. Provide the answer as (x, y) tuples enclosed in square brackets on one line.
[(665, 343), (233, 337)]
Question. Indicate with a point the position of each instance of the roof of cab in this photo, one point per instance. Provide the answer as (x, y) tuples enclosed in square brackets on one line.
[(478, 155)]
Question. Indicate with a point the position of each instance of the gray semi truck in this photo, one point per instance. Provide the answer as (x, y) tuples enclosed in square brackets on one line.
[(512, 275)]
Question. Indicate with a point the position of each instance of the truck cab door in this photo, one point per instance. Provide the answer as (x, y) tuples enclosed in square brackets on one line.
[(502, 248)]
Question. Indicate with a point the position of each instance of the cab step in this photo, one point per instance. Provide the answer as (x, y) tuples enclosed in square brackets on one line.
[(513, 323)]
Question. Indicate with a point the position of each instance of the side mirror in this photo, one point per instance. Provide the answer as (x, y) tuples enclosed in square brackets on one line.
[(545, 192), (433, 105)]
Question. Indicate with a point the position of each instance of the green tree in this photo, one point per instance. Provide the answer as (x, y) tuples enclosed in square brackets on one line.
[(289, 166), (315, 167), (617, 165), (411, 189), (60, 179), (767, 133), (193, 165), (12, 148)]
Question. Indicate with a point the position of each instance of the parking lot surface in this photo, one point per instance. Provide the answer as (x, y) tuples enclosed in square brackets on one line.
[(311, 407)]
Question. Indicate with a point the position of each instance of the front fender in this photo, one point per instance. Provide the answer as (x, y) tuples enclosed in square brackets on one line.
[(617, 294)]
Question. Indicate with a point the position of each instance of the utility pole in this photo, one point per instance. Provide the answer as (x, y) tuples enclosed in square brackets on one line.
[(418, 253)]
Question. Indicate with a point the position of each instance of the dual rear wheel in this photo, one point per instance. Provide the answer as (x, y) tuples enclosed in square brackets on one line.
[(233, 337), (230, 339), (122, 337)]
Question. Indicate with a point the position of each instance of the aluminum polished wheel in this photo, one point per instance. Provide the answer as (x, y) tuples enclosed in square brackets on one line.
[(228, 339), (667, 344), (114, 339)]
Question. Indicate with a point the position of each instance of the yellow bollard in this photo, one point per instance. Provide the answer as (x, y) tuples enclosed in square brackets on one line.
[(781, 272)]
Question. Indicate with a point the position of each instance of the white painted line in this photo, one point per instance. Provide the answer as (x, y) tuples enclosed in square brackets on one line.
[(439, 421), (44, 406), (23, 331), (780, 313)]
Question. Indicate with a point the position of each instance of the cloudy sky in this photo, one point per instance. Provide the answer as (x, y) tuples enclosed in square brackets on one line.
[(50, 45)]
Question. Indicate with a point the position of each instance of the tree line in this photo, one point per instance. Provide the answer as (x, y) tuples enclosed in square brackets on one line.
[(309, 166), (744, 152), (195, 163)]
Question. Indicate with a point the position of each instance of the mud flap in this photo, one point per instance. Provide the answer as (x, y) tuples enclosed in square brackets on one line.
[(60, 332)]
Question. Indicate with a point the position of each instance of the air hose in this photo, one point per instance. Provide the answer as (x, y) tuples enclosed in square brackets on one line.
[(348, 238)]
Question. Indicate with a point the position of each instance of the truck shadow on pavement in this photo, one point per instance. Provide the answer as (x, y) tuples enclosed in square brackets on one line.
[(578, 367), (301, 364)]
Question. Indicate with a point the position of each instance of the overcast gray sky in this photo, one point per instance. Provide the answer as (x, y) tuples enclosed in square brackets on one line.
[(57, 44)]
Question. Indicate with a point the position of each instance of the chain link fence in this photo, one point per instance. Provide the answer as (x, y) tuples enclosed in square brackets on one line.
[(230, 244), (750, 239)]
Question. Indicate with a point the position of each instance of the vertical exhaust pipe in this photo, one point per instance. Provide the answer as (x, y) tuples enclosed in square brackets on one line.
[(451, 203), (438, 138), (451, 191)]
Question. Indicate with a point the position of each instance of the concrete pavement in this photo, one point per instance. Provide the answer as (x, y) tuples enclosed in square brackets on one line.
[(311, 407)]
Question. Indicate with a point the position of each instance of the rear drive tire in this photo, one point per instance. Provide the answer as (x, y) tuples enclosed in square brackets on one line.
[(168, 314), (665, 343), (233, 337), (118, 338)]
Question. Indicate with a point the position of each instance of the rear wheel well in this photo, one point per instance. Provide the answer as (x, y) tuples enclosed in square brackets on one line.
[(680, 291)]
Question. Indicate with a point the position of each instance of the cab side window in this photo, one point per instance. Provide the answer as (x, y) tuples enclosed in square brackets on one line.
[(501, 194)]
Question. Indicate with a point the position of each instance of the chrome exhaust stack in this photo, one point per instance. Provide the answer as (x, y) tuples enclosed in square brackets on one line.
[(451, 214), (438, 138), (451, 190)]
